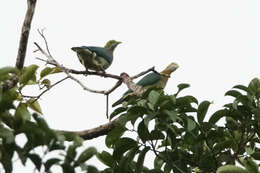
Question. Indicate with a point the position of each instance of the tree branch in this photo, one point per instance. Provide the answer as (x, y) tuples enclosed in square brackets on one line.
[(25, 34), (22, 44), (97, 131)]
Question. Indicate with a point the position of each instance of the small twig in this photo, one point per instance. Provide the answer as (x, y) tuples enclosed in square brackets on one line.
[(51, 86), (107, 96)]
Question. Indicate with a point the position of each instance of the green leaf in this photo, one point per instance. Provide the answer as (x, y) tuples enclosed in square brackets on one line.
[(140, 160), (48, 70), (37, 161), (254, 87), (143, 132), (7, 162), (137, 110), (42, 124), (241, 87), (223, 145), (49, 163), (106, 158), (250, 165), (7, 135), (171, 114), (114, 135), (91, 169), (6, 70), (117, 111), (153, 97), (34, 105), (28, 74), (71, 154), (86, 155), (231, 169), (158, 162), (123, 145), (249, 150), (233, 93), (156, 135), (190, 124), (46, 83), (181, 87), (22, 113), (202, 110), (217, 115), (256, 155)]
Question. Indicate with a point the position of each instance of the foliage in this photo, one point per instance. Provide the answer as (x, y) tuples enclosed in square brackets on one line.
[(16, 120), (177, 130)]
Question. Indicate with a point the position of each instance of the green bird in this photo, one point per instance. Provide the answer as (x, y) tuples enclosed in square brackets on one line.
[(96, 58), (152, 79)]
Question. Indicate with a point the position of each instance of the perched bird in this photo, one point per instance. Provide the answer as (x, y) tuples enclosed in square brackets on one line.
[(152, 79), (96, 58)]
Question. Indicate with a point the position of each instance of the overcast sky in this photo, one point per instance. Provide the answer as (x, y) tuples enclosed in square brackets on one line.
[(216, 44)]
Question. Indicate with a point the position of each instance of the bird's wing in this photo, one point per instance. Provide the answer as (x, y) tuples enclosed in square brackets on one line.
[(148, 80), (101, 52)]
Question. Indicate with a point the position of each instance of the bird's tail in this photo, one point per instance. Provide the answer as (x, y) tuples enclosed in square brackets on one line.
[(118, 102), (76, 49)]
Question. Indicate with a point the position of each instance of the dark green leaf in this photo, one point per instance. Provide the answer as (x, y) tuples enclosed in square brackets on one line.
[(158, 162), (7, 135), (106, 158), (137, 110), (49, 163), (86, 155), (233, 93), (153, 97), (171, 114), (241, 87), (217, 115), (117, 111), (231, 169), (71, 154), (156, 135), (254, 87), (37, 161), (123, 145), (91, 169), (223, 145), (190, 124), (143, 132), (140, 160), (256, 155), (22, 113), (181, 87), (123, 165), (202, 110), (114, 135)]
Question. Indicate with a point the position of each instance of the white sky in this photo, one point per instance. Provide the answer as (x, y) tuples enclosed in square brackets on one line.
[(216, 44)]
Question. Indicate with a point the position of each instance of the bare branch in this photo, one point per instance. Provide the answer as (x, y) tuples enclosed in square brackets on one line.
[(25, 33), (98, 131)]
